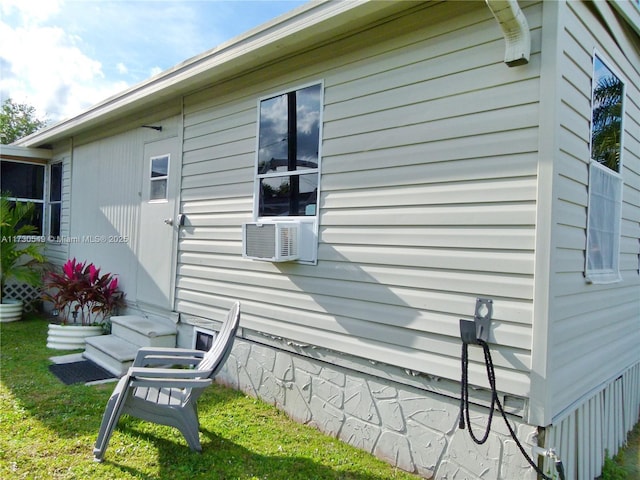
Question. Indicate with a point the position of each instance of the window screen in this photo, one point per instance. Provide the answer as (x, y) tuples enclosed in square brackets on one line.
[(605, 181)]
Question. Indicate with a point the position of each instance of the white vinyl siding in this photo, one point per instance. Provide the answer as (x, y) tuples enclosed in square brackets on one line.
[(107, 176), (57, 251), (598, 424), (594, 329), (107, 181), (428, 198)]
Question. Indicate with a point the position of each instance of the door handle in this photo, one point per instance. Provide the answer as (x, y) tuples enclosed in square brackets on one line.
[(168, 221)]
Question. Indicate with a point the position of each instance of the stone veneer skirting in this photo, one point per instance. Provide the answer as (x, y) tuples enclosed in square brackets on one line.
[(411, 428)]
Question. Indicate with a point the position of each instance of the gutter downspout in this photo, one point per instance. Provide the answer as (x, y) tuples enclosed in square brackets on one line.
[(515, 29)]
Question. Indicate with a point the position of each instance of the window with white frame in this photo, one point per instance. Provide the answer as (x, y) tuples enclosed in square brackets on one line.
[(287, 172), (605, 180), (55, 200), (24, 182), (159, 178)]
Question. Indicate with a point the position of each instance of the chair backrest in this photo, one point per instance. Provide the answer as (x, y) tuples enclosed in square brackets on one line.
[(217, 355)]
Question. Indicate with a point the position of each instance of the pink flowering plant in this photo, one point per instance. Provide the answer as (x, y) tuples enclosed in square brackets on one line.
[(82, 294)]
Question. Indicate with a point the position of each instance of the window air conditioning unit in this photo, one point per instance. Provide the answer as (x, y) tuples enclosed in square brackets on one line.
[(271, 241)]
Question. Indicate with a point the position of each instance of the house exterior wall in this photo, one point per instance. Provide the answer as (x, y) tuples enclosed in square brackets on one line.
[(105, 205), (585, 375), (598, 424), (427, 199), (446, 176), (603, 320), (430, 197), (106, 180)]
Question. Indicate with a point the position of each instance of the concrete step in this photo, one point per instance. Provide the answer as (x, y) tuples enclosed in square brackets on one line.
[(111, 352), (143, 331), (117, 351)]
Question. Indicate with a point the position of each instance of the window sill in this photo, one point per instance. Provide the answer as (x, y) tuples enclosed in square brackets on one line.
[(596, 278)]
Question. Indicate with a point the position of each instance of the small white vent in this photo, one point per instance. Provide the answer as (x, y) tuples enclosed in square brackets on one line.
[(271, 241), (203, 339)]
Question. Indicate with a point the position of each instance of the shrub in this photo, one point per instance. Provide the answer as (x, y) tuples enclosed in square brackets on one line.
[(81, 291)]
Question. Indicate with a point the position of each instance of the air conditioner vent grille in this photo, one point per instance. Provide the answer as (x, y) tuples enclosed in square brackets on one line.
[(288, 241), (260, 240), (274, 241)]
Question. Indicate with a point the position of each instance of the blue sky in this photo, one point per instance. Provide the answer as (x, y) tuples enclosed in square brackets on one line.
[(62, 56)]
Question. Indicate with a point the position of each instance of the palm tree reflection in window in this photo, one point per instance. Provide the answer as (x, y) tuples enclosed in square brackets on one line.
[(606, 124)]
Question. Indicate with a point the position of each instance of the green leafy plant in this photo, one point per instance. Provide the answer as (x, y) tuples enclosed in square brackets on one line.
[(17, 120), (19, 261), (83, 294), (612, 470)]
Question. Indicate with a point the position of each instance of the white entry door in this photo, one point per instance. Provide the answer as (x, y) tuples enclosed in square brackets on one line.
[(158, 225)]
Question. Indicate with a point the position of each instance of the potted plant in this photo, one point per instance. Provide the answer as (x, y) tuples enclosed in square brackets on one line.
[(19, 261), (85, 299)]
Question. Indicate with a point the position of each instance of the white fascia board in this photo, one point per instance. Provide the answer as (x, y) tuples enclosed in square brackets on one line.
[(312, 22), (15, 152)]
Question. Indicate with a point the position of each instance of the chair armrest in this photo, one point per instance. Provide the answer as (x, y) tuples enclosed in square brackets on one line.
[(167, 356), (171, 382), (173, 373), (167, 377)]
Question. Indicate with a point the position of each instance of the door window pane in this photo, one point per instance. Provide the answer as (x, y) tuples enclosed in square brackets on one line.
[(159, 166), (159, 178), (158, 190)]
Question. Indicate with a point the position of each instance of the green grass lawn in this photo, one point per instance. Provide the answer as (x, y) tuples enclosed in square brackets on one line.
[(626, 464), (47, 431)]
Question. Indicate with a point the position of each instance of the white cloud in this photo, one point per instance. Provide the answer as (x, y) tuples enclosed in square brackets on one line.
[(31, 11), (45, 66), (63, 56)]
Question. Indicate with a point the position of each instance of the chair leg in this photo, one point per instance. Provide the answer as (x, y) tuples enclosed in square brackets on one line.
[(111, 416), (189, 426)]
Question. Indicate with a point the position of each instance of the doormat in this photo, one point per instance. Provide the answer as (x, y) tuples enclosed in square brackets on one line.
[(79, 372)]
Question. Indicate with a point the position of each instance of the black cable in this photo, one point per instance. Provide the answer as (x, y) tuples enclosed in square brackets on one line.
[(495, 400), (464, 399)]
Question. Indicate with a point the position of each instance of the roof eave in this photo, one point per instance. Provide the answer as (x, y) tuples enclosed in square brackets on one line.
[(13, 152), (309, 24)]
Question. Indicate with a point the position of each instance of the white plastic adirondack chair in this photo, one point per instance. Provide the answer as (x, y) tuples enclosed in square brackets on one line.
[(168, 396)]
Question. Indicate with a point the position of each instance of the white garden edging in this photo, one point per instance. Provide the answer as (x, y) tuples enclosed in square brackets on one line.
[(10, 310), (71, 337)]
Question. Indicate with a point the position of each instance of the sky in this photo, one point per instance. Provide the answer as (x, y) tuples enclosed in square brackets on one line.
[(63, 56)]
